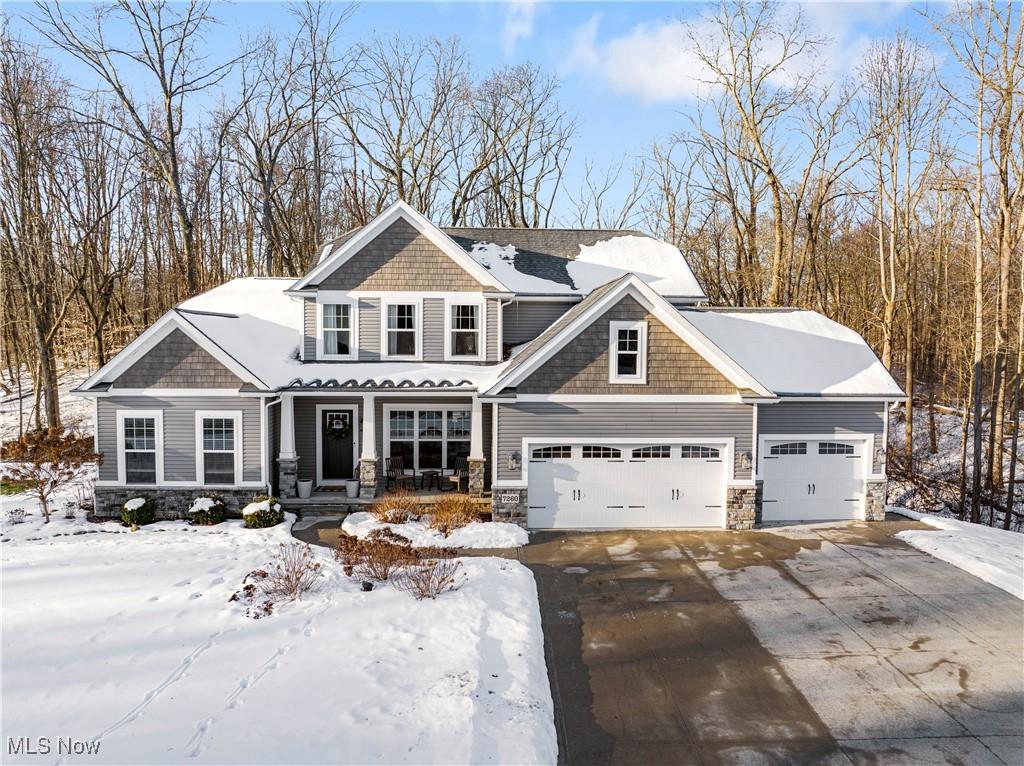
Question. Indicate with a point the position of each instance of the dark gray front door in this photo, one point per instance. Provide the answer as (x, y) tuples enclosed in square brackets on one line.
[(336, 440)]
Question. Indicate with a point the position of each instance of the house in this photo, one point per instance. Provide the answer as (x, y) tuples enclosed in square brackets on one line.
[(576, 376)]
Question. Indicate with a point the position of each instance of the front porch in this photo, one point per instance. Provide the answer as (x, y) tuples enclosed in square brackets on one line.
[(330, 438)]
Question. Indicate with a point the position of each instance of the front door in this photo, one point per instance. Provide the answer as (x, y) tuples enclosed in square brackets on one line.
[(337, 451)]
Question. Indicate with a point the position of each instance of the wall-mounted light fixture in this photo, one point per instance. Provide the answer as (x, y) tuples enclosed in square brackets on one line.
[(515, 461), (747, 460)]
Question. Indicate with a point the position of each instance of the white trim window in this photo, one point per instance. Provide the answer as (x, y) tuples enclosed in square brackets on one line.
[(219, 447), (464, 338), (431, 438), (338, 330), (401, 330), (140, 439), (627, 352)]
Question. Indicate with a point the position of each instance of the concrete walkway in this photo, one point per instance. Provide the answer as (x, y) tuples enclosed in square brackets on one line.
[(824, 644)]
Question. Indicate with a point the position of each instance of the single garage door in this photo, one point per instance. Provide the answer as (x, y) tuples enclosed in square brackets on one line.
[(644, 485), (807, 480)]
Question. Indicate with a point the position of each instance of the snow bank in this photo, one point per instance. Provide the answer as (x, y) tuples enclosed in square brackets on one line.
[(486, 534), (129, 638), (994, 555)]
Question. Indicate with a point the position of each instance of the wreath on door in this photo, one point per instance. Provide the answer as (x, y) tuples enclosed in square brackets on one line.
[(339, 428)]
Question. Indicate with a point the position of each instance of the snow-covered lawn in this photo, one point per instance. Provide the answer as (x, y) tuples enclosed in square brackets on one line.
[(485, 534), (994, 555), (130, 638)]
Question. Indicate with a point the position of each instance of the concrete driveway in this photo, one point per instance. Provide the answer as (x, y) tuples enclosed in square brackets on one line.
[(817, 644)]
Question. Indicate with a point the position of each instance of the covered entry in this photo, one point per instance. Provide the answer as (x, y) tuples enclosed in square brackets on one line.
[(807, 479), (605, 484)]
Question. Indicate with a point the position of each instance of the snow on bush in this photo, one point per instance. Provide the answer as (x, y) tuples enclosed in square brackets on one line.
[(395, 508), (262, 512), (488, 534), (15, 515), (207, 511), (993, 555), (139, 511)]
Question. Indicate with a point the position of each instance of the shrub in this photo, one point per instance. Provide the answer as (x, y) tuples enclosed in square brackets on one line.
[(293, 572), (15, 515), (453, 511), (262, 512), (206, 511), (381, 554), (395, 508), (44, 461), (139, 511), (429, 578)]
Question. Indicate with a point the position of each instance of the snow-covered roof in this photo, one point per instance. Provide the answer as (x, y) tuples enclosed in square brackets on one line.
[(797, 353), (657, 263), (259, 326)]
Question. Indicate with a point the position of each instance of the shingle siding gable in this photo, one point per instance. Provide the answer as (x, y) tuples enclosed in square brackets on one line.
[(581, 367), (177, 361), (400, 258)]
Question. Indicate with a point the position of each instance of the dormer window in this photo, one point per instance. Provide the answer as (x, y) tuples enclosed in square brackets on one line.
[(337, 330), (627, 355), (465, 331), (402, 330)]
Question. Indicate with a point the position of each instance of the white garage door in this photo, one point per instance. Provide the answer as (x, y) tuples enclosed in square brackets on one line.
[(644, 485), (806, 480)]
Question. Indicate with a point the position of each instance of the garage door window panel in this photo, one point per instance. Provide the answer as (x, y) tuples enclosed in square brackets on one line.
[(693, 451), (789, 448), (591, 451), (834, 448), (556, 451), (652, 452)]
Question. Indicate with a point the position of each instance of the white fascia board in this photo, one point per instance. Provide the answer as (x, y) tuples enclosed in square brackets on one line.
[(845, 398), (155, 333), (665, 313), (398, 210), (625, 398)]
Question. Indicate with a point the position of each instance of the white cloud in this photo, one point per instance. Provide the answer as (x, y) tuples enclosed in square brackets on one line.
[(655, 62), (518, 24)]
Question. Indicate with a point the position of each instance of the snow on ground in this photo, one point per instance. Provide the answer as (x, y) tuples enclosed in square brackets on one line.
[(486, 534), (994, 555), (75, 412), (129, 638)]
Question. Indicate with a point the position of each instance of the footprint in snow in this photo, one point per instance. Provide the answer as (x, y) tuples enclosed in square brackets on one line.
[(182, 584), (218, 581), (153, 598), (194, 596)]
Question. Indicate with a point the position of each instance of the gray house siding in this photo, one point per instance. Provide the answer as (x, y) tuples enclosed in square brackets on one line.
[(369, 329), (433, 329), (524, 321), (179, 418), (825, 418), (177, 362), (493, 340), (555, 420), (400, 258), (309, 329)]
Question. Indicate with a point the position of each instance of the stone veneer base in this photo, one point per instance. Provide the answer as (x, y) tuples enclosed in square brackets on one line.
[(743, 507), (512, 512), (171, 502), (874, 501)]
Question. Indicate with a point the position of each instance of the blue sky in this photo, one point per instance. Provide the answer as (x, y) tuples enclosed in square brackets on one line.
[(623, 71)]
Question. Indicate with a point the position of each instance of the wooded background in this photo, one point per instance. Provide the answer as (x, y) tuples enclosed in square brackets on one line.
[(892, 201)]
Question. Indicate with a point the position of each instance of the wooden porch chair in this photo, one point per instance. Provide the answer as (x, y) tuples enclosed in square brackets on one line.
[(460, 474), (395, 475)]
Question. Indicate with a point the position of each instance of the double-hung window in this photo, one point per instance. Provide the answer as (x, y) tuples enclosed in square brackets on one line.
[(627, 352), (140, 446), (402, 330), (218, 448), (428, 439), (337, 329), (465, 331)]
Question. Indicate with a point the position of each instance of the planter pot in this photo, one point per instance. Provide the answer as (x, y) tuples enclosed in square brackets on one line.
[(305, 487), (352, 488)]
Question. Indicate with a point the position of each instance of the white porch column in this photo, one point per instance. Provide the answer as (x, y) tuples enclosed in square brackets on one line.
[(287, 451), (369, 429), (476, 431), (368, 449)]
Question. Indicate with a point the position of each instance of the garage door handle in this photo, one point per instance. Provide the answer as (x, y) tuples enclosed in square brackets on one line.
[(814, 489)]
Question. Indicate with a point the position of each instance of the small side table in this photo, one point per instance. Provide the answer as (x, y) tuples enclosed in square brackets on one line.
[(430, 479)]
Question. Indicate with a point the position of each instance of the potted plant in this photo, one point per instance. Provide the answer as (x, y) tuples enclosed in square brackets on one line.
[(305, 487), (352, 488)]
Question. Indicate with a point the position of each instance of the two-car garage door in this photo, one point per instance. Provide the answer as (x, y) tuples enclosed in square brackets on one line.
[(610, 485)]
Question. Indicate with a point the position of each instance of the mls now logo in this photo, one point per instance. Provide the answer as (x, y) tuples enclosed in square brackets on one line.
[(45, 746)]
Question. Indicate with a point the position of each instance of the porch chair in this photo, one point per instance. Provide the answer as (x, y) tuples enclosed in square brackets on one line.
[(395, 475), (459, 475)]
